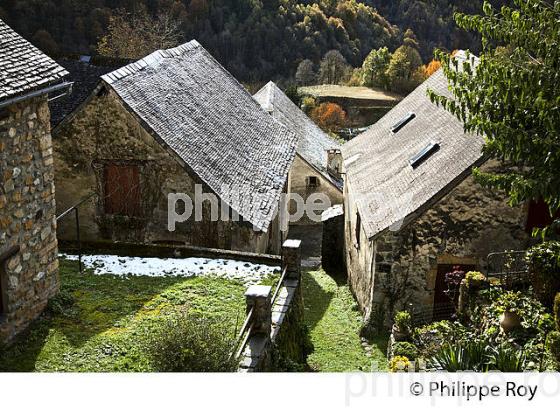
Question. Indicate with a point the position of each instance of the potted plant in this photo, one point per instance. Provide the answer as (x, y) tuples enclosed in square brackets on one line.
[(510, 319), (402, 329)]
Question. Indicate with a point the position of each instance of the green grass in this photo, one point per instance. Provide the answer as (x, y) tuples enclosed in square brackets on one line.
[(99, 323), (334, 323)]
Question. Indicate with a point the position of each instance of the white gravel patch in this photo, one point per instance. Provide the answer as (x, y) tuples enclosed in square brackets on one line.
[(247, 272)]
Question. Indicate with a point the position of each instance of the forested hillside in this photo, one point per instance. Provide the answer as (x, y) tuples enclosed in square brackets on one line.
[(255, 39)]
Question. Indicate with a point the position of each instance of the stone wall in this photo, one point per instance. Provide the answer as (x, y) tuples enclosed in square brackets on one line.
[(278, 338), (28, 245), (463, 228), (103, 132), (299, 175)]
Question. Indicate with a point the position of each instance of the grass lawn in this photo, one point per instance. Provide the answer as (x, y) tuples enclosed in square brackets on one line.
[(98, 322), (334, 325)]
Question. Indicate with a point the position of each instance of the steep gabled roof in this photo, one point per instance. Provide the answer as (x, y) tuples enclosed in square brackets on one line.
[(188, 101), (23, 67), (385, 179), (85, 78), (313, 143)]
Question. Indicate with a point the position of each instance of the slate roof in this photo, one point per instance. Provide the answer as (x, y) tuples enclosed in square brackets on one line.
[(185, 98), (23, 67), (313, 143), (85, 78), (385, 187)]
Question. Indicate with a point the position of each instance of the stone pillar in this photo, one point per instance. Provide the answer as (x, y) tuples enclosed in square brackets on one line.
[(258, 298), (291, 258)]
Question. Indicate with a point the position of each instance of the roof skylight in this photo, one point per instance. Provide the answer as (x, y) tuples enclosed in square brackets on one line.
[(399, 125), (423, 155)]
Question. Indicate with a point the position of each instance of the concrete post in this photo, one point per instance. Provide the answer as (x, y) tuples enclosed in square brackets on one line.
[(258, 298), (291, 258)]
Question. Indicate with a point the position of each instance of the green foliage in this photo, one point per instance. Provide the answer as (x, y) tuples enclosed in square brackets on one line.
[(405, 72), (375, 67), (399, 364), (308, 104), (474, 278), (406, 349), (61, 303), (544, 263), (190, 343), (403, 321), (511, 97), (553, 345), (557, 310), (461, 357)]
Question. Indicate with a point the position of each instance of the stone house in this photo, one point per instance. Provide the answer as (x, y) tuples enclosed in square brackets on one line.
[(316, 168), (28, 246), (412, 209), (174, 122)]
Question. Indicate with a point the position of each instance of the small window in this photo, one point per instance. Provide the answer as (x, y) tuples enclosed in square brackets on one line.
[(122, 190), (424, 154), (400, 125), (358, 230), (312, 182)]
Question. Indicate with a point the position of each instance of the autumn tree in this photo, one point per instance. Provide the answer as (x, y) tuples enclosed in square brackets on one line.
[(305, 74), (512, 98), (405, 69), (333, 68), (137, 34), (329, 116), (431, 68), (375, 67)]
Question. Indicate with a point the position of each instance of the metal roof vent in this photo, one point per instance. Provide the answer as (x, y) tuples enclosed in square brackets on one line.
[(399, 125), (424, 154)]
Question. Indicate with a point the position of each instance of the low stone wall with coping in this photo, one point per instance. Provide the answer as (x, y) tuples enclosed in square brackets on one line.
[(275, 337)]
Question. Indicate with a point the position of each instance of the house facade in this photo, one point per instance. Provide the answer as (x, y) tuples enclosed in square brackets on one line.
[(413, 211), (28, 245), (174, 123), (316, 168)]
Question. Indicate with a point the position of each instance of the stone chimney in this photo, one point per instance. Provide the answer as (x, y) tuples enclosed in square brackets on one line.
[(334, 163)]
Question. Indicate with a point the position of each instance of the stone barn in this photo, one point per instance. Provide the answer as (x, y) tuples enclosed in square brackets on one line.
[(316, 168), (174, 122), (28, 246), (413, 210)]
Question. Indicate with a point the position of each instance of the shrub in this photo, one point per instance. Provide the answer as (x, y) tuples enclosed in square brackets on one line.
[(506, 359), (553, 344), (399, 364), (61, 303), (405, 349), (474, 278), (557, 311), (190, 343), (329, 116), (461, 357), (544, 263), (403, 321)]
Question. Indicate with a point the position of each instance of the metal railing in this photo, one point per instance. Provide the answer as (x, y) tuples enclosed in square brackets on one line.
[(243, 336), (77, 218), (510, 268), (279, 285)]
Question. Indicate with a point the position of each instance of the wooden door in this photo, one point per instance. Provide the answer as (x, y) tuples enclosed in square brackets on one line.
[(122, 190)]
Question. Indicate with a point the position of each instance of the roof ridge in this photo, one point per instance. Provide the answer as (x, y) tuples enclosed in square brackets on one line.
[(150, 60)]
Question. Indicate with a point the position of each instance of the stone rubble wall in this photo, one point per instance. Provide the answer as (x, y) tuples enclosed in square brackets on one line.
[(462, 228), (27, 214)]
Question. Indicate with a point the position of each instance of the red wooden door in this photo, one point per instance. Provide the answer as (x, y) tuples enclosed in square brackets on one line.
[(122, 190)]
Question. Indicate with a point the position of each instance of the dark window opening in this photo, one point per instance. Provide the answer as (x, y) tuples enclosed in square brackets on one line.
[(312, 182), (424, 154), (122, 190), (538, 215), (358, 230), (400, 125)]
